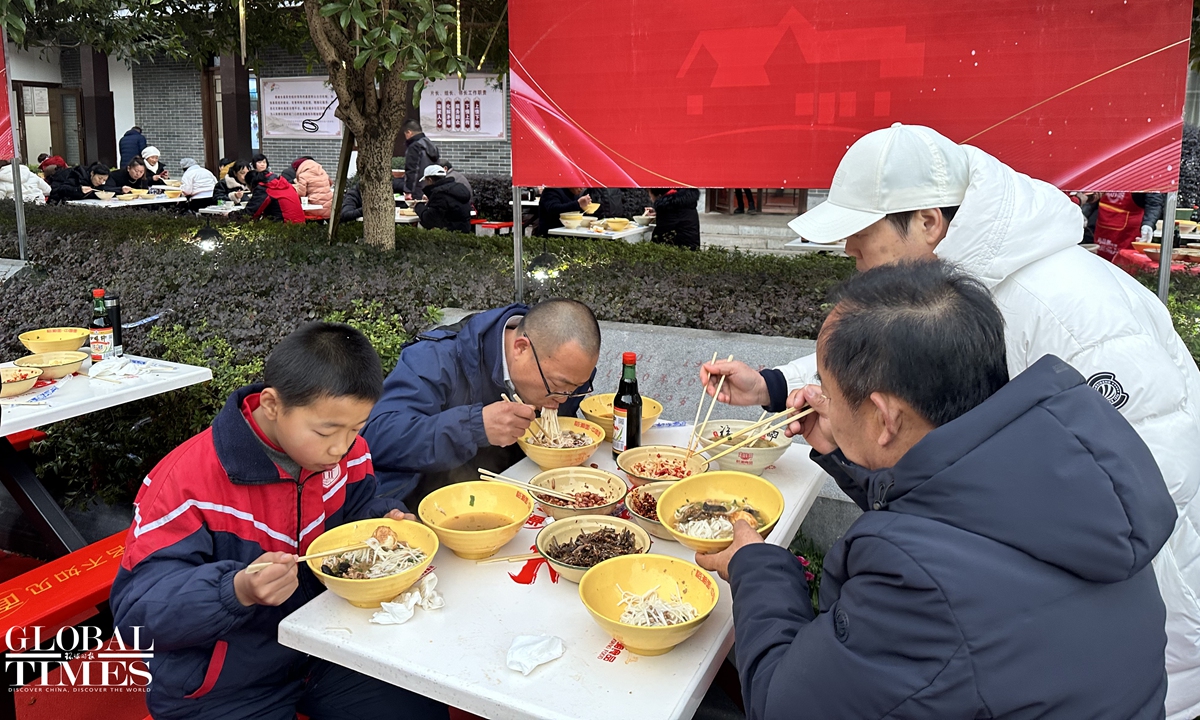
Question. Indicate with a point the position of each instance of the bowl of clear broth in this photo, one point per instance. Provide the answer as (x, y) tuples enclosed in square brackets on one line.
[(475, 519)]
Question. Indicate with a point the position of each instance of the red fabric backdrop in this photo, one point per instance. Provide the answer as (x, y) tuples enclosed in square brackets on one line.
[(1087, 94), (6, 136)]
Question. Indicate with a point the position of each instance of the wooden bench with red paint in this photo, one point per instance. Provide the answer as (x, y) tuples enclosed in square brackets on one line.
[(62, 592)]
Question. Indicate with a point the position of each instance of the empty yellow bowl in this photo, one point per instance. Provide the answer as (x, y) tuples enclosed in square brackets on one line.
[(550, 458), (570, 216), (371, 592), (599, 409), (654, 527), (499, 508), (722, 486), (696, 464), (639, 574), (571, 223), (127, 196), (54, 339), (172, 193), (136, 191), (579, 479), (591, 208), (54, 365), (617, 224), (105, 194), (173, 183), (565, 531), (753, 460), (14, 381)]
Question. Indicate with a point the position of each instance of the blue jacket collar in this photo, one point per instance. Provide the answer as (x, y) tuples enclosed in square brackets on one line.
[(239, 451)]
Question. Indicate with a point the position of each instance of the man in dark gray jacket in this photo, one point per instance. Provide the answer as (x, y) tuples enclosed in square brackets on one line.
[(1002, 566), (419, 153)]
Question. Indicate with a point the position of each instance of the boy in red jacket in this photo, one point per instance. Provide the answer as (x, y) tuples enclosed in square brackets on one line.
[(282, 463)]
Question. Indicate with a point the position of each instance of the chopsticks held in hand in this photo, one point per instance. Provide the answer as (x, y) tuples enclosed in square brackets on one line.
[(698, 430), (256, 567), (762, 421), (506, 398)]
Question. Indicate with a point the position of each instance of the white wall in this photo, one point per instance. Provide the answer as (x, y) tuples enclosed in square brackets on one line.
[(34, 65), (120, 81)]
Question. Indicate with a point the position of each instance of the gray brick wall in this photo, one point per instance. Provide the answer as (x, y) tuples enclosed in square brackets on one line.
[(166, 103), (274, 62), (68, 65), (72, 77)]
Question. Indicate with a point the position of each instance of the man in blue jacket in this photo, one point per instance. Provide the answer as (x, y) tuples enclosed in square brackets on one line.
[(1002, 566), (442, 416), (131, 145)]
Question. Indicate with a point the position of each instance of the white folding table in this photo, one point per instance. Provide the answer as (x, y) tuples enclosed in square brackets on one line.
[(140, 201), (632, 234), (457, 654), (66, 398)]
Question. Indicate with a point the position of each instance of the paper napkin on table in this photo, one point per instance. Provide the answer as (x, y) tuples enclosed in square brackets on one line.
[(126, 367), (401, 610), (529, 651)]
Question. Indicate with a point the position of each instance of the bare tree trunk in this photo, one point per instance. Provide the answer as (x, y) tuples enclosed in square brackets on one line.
[(375, 178)]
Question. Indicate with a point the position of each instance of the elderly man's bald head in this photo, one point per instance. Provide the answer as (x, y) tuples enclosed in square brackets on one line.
[(555, 322)]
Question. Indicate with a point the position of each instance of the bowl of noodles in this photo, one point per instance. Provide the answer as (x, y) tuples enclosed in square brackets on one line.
[(700, 511), (596, 492), (658, 463), (575, 545), (642, 503), (575, 443), (754, 458), (649, 603), (397, 553), (476, 518), (598, 409)]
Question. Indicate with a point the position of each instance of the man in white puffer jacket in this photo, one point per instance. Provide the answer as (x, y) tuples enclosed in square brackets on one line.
[(1020, 237)]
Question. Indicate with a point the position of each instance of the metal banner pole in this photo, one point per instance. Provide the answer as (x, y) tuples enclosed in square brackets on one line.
[(518, 250), (1167, 247), (339, 185)]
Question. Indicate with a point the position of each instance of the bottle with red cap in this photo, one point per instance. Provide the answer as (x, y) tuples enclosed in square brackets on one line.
[(100, 329), (627, 408)]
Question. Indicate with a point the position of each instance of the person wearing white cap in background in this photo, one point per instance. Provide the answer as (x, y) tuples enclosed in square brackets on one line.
[(906, 193), (197, 183), (446, 204), (158, 173)]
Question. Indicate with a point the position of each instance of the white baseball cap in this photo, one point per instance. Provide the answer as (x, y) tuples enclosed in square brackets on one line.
[(434, 171), (897, 169)]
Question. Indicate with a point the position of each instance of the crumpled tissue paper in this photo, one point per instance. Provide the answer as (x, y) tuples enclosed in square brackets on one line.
[(124, 367), (401, 610), (529, 651)]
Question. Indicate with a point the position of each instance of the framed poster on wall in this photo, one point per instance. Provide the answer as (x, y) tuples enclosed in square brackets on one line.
[(298, 107), (468, 109)]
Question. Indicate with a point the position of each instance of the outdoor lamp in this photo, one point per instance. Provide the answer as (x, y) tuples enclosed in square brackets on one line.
[(545, 266)]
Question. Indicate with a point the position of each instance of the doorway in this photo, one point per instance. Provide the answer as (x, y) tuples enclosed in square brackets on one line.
[(66, 123), (770, 201), (48, 121)]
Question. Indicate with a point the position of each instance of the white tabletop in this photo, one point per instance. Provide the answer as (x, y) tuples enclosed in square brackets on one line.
[(77, 395), (802, 245), (632, 234), (164, 187), (140, 201), (229, 208), (457, 654)]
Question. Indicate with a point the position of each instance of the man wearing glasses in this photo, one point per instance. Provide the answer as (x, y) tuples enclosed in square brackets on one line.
[(442, 415)]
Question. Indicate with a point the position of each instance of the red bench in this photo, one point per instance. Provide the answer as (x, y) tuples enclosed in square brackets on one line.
[(62, 592), (493, 228), (20, 441)]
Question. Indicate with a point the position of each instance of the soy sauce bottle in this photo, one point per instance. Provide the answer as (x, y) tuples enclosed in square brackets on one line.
[(100, 329), (627, 409)]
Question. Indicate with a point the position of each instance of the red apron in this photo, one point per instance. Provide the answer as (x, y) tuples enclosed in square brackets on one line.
[(1118, 223)]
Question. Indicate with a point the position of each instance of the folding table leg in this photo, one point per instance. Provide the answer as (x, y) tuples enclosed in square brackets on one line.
[(37, 504)]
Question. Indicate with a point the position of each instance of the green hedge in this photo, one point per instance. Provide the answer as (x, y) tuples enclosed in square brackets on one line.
[(227, 308)]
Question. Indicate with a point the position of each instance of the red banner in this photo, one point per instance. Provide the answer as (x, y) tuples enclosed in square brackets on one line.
[(729, 93), (6, 135)]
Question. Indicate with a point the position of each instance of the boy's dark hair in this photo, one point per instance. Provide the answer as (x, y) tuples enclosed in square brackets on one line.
[(324, 360), (412, 126), (923, 331), (42, 158), (901, 220)]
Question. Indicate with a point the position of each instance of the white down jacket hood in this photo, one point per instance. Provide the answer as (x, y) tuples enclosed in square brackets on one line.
[(1020, 237)]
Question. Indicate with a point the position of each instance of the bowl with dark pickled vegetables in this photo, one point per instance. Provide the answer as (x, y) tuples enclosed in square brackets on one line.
[(574, 545), (642, 503), (593, 492)]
